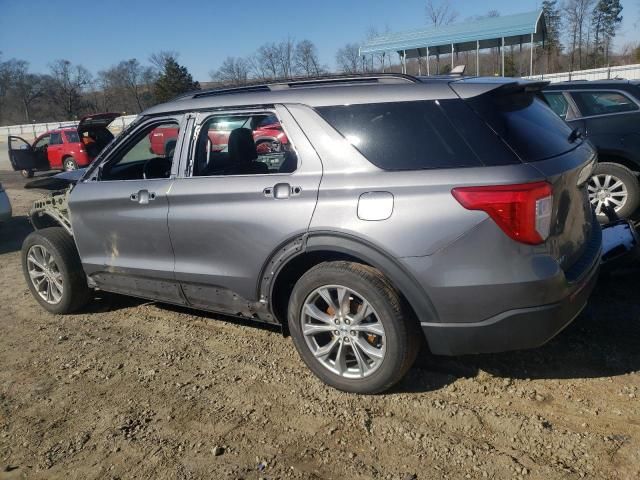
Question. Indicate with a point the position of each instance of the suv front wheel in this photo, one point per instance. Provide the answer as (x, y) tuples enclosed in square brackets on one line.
[(616, 186), (53, 271), (351, 327)]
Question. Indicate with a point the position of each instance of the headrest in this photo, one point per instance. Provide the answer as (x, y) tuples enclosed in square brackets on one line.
[(241, 147)]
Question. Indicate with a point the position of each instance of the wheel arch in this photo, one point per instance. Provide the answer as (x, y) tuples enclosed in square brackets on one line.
[(44, 220), (606, 156), (299, 255)]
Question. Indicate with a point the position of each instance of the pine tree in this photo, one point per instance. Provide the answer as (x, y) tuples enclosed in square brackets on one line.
[(605, 20), (552, 45), (174, 80)]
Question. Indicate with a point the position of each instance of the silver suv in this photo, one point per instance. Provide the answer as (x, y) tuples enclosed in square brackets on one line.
[(378, 212)]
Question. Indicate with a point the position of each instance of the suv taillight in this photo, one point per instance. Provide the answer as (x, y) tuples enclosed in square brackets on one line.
[(522, 211)]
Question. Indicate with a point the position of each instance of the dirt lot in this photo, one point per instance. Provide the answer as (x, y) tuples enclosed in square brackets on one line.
[(132, 389)]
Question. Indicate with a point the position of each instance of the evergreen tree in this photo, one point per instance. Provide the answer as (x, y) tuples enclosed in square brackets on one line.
[(605, 20), (552, 45), (174, 80)]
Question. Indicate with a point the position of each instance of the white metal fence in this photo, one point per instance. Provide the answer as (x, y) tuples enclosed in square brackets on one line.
[(628, 72), (35, 129)]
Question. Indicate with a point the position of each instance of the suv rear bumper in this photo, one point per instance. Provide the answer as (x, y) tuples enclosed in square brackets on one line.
[(512, 330)]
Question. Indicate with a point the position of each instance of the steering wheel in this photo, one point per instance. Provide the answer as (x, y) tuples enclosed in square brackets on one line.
[(158, 167)]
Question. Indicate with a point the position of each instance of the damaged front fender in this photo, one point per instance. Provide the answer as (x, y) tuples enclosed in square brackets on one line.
[(52, 210)]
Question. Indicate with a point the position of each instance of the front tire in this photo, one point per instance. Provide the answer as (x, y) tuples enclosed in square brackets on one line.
[(27, 173), (614, 185), (352, 328), (53, 271)]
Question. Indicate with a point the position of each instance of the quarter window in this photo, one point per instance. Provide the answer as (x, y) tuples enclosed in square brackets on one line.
[(559, 104), (402, 136), (243, 144), (603, 103)]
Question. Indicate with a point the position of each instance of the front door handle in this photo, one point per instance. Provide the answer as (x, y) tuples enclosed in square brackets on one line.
[(143, 197)]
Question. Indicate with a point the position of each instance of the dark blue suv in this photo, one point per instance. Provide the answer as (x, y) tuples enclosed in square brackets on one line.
[(608, 113)]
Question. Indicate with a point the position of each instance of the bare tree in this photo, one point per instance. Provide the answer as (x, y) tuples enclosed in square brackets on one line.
[(306, 59), (378, 58), (136, 80), (28, 87), (440, 13), (348, 58), (266, 61), (68, 83), (7, 76), (233, 71), (159, 59), (285, 55), (577, 13)]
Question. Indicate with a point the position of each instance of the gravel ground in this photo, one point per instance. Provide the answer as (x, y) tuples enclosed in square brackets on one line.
[(133, 389)]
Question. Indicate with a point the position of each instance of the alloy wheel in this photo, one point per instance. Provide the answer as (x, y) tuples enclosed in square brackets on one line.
[(45, 274), (69, 164), (607, 190), (343, 331)]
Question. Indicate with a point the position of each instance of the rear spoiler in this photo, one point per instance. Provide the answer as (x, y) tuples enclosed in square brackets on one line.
[(473, 87)]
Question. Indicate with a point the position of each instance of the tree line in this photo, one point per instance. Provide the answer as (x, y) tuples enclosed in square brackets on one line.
[(579, 35), (68, 91)]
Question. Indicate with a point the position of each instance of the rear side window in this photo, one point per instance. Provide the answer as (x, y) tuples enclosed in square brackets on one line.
[(603, 103), (402, 135), (72, 137), (525, 122), (56, 139)]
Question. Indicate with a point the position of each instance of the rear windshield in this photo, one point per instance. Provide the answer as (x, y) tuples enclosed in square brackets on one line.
[(526, 123), (402, 135)]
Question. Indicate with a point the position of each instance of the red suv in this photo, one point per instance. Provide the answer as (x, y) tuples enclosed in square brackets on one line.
[(65, 148), (267, 134)]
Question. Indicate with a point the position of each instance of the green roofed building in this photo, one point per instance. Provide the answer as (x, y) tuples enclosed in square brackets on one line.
[(488, 32)]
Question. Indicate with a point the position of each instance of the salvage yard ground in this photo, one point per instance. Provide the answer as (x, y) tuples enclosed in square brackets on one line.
[(135, 389)]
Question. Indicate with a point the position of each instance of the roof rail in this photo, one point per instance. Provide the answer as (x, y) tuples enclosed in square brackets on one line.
[(304, 83)]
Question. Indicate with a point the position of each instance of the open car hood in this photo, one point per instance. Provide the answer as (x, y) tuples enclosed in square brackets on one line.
[(99, 120), (57, 182)]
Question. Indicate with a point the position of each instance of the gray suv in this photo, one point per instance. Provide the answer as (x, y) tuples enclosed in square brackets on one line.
[(384, 210)]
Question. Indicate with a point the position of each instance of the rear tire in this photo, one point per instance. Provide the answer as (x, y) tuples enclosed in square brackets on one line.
[(69, 164), (620, 184), (53, 271), (380, 347), (27, 173)]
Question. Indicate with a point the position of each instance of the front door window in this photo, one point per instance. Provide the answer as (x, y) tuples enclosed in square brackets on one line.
[(142, 159)]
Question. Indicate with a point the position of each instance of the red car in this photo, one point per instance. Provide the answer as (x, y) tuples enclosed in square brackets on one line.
[(267, 133), (66, 148)]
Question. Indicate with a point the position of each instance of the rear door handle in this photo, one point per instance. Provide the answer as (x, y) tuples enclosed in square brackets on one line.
[(281, 191), (143, 197)]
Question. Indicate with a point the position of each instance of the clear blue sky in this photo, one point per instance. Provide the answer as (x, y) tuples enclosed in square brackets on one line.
[(98, 34)]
